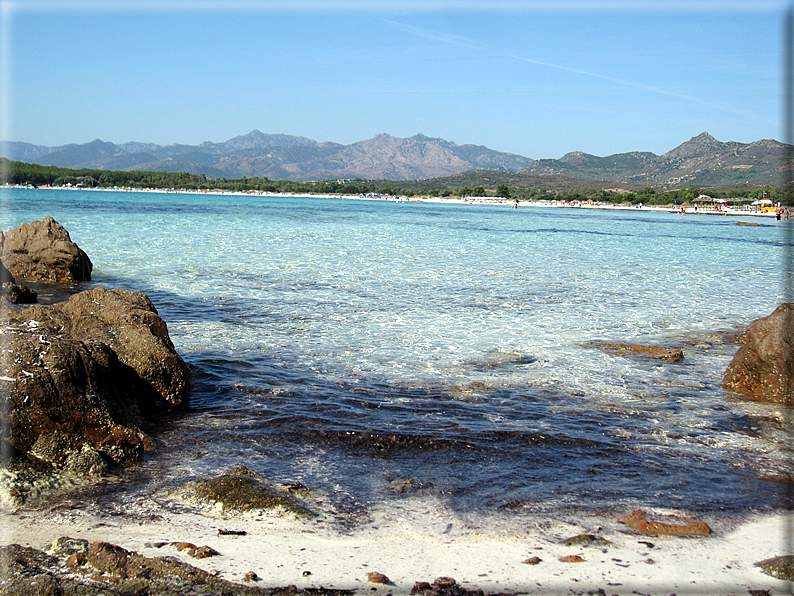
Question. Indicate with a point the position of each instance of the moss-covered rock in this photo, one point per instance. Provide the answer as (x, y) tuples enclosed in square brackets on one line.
[(778, 567), (242, 490), (69, 452), (586, 540), (24, 480)]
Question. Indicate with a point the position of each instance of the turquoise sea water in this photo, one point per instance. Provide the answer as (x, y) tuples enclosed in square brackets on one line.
[(355, 345)]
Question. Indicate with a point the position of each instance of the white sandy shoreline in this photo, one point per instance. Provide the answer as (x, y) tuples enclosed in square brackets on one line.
[(701, 210), (408, 548)]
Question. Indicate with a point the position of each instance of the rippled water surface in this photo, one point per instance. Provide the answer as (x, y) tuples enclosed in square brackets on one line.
[(368, 347)]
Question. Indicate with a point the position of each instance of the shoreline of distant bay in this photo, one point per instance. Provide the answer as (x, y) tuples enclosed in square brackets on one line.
[(700, 209)]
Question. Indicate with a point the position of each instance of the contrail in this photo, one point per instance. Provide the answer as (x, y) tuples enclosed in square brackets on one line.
[(466, 42)]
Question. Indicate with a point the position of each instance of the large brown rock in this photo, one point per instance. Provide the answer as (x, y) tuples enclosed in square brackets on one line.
[(87, 373), (43, 251), (763, 368)]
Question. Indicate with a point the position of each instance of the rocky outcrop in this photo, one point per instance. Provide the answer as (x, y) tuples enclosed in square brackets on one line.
[(763, 368), (102, 568), (43, 251), (83, 377)]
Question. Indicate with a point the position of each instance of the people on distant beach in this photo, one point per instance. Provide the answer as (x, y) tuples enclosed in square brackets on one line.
[(515, 204)]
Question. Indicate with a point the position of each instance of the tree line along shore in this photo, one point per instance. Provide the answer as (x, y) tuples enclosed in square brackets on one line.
[(15, 173)]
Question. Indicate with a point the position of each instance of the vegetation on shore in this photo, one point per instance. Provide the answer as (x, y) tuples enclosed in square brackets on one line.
[(475, 183)]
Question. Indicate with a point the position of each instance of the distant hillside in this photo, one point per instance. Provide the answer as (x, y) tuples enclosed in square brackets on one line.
[(278, 157), (701, 161), (490, 179)]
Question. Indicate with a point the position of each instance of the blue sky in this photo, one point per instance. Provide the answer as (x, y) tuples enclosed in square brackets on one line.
[(537, 78)]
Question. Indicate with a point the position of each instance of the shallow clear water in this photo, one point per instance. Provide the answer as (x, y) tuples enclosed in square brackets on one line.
[(353, 345)]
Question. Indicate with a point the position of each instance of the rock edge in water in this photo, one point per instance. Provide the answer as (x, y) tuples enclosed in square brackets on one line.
[(763, 368), (82, 377), (12, 292)]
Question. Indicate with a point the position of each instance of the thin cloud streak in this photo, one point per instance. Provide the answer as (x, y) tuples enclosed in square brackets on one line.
[(466, 42)]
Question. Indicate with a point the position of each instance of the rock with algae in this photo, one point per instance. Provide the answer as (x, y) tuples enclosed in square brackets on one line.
[(639, 351), (586, 540), (778, 567), (242, 490)]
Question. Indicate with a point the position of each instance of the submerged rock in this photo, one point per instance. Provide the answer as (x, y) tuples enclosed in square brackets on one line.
[(501, 359), (763, 368), (638, 520), (242, 490), (83, 376), (638, 350), (43, 250)]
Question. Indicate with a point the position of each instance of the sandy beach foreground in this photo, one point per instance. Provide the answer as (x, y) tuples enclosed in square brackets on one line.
[(411, 545)]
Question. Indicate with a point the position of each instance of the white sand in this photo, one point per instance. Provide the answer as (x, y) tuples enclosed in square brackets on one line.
[(412, 543)]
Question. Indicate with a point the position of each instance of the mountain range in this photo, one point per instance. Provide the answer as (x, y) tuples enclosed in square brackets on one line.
[(279, 157), (701, 161)]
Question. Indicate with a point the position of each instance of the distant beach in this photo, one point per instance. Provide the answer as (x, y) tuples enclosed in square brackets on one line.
[(690, 209)]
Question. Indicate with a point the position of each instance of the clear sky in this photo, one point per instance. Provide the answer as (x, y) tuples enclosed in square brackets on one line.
[(536, 78)]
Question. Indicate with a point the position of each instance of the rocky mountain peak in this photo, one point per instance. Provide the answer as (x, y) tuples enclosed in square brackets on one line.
[(704, 142)]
